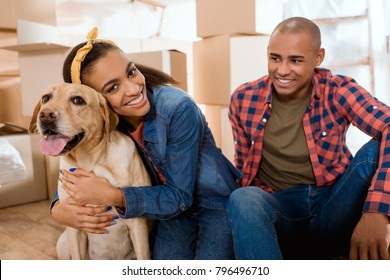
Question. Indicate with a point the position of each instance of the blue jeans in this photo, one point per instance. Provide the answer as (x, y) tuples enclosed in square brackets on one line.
[(203, 234), (304, 222)]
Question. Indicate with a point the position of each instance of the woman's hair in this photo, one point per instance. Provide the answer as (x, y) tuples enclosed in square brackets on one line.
[(153, 77)]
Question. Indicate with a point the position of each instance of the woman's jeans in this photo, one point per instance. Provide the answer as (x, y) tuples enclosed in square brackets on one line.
[(304, 222), (202, 234)]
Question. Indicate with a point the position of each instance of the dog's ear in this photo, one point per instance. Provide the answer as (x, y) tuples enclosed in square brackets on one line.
[(32, 128), (111, 119)]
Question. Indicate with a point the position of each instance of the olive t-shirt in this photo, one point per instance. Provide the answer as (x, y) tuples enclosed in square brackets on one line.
[(285, 159)]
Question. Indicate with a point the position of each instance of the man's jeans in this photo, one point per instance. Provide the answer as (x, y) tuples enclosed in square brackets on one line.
[(203, 234), (305, 222)]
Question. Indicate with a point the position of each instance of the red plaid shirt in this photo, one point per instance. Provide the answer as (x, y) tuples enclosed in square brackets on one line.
[(336, 101)]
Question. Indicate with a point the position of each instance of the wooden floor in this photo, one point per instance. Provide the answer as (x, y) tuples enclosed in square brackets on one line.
[(27, 232)]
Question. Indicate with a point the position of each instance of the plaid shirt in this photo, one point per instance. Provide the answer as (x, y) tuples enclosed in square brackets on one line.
[(336, 101)]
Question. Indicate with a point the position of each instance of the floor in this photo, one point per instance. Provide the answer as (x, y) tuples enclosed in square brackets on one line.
[(27, 232)]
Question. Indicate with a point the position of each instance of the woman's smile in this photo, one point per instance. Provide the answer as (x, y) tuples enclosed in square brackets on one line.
[(136, 102)]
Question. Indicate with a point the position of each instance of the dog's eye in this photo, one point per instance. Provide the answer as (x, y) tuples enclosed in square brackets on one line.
[(78, 100), (46, 98)]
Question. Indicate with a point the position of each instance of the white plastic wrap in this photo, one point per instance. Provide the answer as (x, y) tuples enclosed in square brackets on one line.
[(12, 167)]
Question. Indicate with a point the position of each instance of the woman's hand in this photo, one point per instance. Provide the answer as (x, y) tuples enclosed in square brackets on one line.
[(87, 188), (90, 219)]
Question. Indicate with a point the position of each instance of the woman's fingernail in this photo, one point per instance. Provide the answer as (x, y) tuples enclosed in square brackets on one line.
[(116, 217), (106, 232), (61, 171), (72, 169), (112, 223), (108, 208)]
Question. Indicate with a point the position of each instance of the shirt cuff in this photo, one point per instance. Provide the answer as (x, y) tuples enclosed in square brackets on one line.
[(133, 203)]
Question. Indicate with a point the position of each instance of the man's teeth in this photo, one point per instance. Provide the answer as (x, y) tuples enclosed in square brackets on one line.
[(135, 101), (284, 81)]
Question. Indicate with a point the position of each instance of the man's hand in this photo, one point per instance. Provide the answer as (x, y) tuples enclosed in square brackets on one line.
[(371, 238)]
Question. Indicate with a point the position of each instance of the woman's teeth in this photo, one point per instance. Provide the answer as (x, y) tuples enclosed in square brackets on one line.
[(135, 101)]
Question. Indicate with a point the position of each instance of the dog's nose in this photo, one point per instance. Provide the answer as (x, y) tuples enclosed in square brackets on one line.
[(48, 116)]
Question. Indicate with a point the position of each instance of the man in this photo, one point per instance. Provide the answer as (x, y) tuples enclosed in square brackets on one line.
[(308, 198)]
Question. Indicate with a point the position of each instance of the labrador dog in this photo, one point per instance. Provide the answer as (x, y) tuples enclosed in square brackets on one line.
[(76, 123)]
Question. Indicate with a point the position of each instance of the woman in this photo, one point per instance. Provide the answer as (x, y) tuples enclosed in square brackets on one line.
[(194, 180)]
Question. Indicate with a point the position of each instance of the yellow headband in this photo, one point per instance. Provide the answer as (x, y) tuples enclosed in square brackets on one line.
[(82, 53)]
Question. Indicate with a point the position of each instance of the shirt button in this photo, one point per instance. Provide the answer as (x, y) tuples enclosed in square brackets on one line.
[(324, 133), (253, 142), (235, 142), (264, 120), (374, 107)]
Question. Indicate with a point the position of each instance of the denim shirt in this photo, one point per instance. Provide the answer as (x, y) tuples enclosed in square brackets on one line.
[(179, 142)]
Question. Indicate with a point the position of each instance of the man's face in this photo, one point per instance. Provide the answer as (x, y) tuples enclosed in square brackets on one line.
[(292, 58)]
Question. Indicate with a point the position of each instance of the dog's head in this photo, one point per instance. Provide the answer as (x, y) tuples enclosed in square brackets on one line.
[(68, 115)]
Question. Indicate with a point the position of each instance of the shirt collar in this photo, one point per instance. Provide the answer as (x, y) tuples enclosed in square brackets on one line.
[(151, 115), (150, 119)]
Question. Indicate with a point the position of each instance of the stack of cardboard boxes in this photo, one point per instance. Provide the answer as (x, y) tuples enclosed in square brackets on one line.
[(15, 97), (232, 50), (171, 61)]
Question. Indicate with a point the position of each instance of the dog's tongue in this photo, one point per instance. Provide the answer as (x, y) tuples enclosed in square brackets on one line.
[(52, 145)]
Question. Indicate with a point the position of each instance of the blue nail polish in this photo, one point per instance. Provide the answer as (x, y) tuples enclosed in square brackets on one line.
[(72, 169), (116, 217), (108, 208), (106, 232), (112, 223), (61, 171)]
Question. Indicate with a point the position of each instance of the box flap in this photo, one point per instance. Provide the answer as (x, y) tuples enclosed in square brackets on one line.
[(7, 128), (26, 48)]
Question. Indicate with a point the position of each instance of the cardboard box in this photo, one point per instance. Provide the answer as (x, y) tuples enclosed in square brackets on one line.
[(30, 32), (171, 62), (9, 65), (40, 65), (7, 19), (158, 44), (224, 62), (218, 120), (33, 188), (43, 11), (11, 102), (217, 17)]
